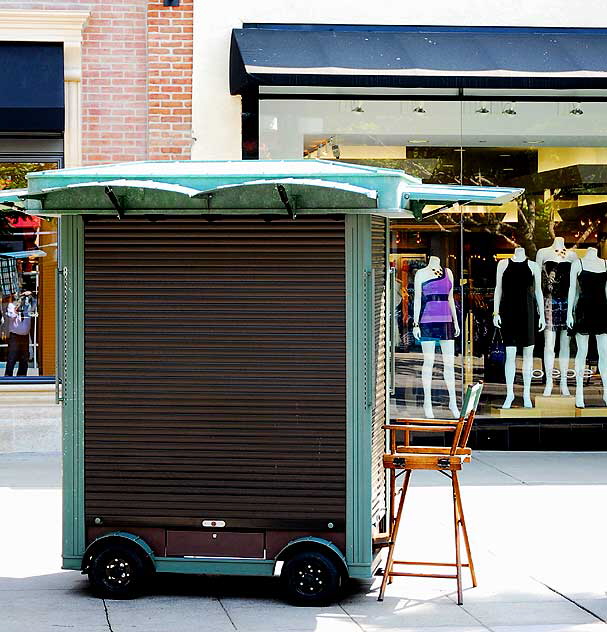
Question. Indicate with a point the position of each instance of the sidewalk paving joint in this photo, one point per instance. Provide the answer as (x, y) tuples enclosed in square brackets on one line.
[(570, 599), (227, 613)]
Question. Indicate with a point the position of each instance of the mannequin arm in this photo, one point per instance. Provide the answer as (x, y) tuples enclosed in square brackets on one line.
[(539, 297), (417, 305), (497, 296), (452, 305), (571, 298)]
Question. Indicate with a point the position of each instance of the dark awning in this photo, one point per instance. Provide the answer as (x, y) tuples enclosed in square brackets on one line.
[(417, 57), (31, 87)]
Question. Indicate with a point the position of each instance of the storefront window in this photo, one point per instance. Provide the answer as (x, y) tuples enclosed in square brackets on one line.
[(514, 295), (28, 259)]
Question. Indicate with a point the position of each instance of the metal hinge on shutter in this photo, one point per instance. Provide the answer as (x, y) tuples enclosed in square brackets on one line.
[(61, 293)]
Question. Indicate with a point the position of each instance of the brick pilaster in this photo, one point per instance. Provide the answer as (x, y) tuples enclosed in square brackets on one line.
[(114, 82), (170, 38)]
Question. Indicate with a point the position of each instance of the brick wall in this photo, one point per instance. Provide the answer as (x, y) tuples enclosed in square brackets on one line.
[(170, 32), (114, 82), (136, 78)]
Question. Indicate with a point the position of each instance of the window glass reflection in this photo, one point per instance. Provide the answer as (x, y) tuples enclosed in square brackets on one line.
[(28, 260)]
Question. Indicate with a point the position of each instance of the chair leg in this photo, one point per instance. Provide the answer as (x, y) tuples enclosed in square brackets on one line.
[(464, 529), (403, 493), (393, 535), (456, 523), (392, 493), (392, 496)]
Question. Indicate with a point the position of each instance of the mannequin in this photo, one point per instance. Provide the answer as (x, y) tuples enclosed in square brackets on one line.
[(586, 316), (555, 265), (518, 294), (435, 321)]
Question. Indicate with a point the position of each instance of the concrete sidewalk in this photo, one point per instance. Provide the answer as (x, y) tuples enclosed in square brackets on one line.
[(537, 523)]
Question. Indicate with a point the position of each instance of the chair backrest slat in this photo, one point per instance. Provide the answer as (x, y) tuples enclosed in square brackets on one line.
[(466, 402), (471, 400)]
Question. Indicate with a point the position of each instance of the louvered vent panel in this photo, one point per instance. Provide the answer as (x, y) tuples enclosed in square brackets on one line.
[(215, 372), (378, 253)]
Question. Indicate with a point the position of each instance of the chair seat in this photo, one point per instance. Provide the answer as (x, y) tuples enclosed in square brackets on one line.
[(415, 461), (434, 450), (403, 421)]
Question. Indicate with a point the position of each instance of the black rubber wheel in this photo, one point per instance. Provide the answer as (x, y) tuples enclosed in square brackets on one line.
[(311, 578), (118, 571)]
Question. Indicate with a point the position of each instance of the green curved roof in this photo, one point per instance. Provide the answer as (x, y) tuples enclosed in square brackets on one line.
[(251, 186)]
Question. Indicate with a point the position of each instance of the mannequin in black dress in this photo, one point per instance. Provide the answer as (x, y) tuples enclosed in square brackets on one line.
[(518, 297), (586, 316), (555, 264)]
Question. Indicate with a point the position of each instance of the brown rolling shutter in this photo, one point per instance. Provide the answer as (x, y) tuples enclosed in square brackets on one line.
[(378, 254), (215, 372)]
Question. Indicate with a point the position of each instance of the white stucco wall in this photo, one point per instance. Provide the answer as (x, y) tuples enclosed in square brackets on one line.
[(216, 114)]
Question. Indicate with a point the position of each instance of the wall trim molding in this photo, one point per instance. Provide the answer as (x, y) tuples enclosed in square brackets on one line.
[(56, 26), (42, 26)]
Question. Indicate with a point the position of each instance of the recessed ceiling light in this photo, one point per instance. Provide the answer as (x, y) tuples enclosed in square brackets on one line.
[(507, 168), (533, 142), (418, 140), (576, 110), (505, 155)]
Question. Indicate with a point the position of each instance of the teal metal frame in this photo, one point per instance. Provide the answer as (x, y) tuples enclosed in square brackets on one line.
[(70, 352), (358, 395)]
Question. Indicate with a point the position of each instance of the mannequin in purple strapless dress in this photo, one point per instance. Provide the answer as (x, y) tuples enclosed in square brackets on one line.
[(435, 322)]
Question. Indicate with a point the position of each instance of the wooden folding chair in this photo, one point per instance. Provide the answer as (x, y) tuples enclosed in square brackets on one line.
[(446, 460)]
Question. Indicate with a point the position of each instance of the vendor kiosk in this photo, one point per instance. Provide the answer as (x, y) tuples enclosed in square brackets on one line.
[(224, 365)]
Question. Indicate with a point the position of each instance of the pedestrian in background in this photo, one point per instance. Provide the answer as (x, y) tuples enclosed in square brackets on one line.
[(19, 316)]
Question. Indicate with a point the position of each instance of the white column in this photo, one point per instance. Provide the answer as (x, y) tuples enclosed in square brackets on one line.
[(72, 147)]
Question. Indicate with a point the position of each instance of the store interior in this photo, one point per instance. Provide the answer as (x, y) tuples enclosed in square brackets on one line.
[(557, 151)]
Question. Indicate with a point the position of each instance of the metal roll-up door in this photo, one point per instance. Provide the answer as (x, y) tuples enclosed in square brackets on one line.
[(215, 372), (378, 263)]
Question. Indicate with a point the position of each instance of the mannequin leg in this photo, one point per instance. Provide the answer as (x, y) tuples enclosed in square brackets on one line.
[(448, 353), (527, 372), (549, 337), (510, 370), (580, 364), (601, 344), (564, 361), (428, 347)]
